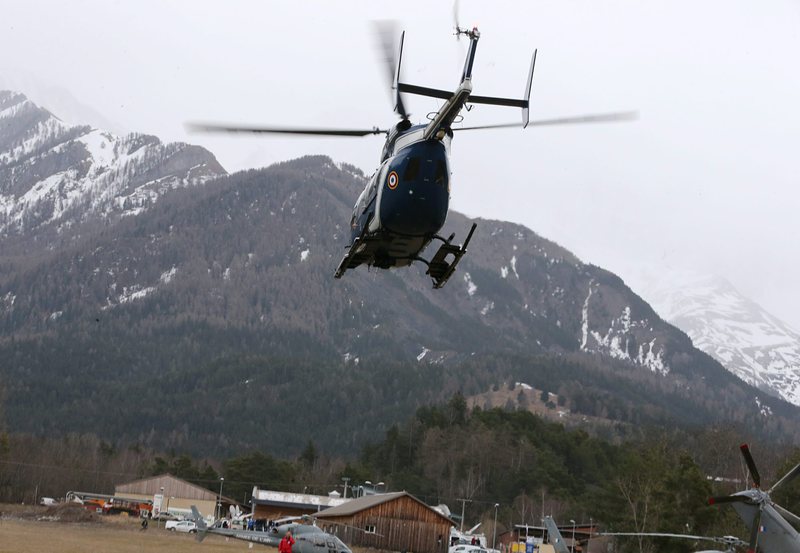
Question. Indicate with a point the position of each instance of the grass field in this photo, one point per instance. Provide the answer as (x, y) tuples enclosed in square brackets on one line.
[(117, 534)]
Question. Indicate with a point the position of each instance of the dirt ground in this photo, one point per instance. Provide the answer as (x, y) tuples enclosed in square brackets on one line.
[(30, 530)]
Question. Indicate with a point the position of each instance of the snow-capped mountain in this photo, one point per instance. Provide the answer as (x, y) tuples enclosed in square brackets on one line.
[(748, 341), (56, 174)]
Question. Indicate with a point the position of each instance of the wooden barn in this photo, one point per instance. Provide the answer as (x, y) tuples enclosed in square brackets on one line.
[(391, 521)]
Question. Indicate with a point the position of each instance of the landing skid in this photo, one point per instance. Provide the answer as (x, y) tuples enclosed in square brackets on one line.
[(439, 269), (363, 251)]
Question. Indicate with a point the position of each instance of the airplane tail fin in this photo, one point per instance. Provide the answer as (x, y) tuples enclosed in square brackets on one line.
[(202, 527)]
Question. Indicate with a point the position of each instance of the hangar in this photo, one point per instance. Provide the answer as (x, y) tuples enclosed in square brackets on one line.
[(174, 495), (395, 521)]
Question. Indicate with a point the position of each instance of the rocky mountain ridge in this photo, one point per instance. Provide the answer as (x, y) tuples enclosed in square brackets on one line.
[(56, 176), (750, 342), (219, 302)]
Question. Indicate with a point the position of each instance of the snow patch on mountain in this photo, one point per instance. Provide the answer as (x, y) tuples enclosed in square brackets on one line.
[(618, 340), (471, 287), (52, 172), (751, 343)]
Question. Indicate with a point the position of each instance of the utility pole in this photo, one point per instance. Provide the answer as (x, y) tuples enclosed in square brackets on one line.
[(494, 536), (463, 505), (219, 503)]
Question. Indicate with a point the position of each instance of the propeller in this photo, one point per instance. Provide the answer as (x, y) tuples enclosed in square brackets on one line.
[(754, 531), (728, 499), (755, 496), (788, 477), (725, 540), (751, 465), (597, 118), (232, 128), (787, 513), (386, 33)]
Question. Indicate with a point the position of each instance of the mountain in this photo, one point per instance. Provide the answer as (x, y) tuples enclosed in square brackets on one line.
[(754, 345), (209, 320), (54, 176)]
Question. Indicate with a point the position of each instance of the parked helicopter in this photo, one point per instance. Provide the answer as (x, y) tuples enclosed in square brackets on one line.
[(557, 540), (308, 537), (770, 532), (405, 203), (731, 542)]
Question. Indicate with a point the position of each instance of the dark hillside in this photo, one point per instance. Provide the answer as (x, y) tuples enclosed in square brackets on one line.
[(211, 323)]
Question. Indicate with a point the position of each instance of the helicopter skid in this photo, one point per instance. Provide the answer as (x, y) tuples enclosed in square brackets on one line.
[(396, 251), (382, 251), (439, 269)]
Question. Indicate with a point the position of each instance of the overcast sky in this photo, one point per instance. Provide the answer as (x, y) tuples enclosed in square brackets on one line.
[(706, 179)]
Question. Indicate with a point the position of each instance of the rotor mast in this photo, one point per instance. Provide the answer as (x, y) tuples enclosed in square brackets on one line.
[(442, 121)]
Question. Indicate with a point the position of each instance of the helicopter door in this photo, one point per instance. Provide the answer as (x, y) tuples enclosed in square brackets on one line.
[(362, 207), (380, 177)]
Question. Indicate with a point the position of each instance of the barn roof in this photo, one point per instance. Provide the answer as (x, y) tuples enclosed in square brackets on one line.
[(368, 501)]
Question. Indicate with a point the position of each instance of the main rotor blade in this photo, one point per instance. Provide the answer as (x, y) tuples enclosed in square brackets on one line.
[(599, 118), (220, 127), (723, 539), (386, 33), (728, 499), (787, 513), (787, 478), (751, 464), (753, 547)]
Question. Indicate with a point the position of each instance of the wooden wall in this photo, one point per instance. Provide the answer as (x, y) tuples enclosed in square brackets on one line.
[(400, 525)]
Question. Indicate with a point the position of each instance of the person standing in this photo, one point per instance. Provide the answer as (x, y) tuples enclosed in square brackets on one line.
[(286, 543)]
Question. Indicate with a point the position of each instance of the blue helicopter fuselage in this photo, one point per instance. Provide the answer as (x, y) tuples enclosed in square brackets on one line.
[(406, 200)]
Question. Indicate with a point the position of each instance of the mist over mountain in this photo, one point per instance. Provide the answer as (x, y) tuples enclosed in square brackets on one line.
[(750, 342), (152, 298)]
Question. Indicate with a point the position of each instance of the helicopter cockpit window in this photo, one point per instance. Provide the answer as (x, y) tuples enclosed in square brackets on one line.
[(412, 169)]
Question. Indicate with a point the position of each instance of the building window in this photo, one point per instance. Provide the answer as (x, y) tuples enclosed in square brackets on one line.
[(369, 529)]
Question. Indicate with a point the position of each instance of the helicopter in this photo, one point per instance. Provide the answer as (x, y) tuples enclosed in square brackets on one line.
[(770, 532), (405, 202), (559, 544), (309, 538), (730, 542)]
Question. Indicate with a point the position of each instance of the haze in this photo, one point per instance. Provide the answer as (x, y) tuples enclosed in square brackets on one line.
[(706, 179)]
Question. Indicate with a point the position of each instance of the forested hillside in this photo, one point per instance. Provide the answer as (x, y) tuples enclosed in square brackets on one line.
[(210, 323), (446, 453)]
